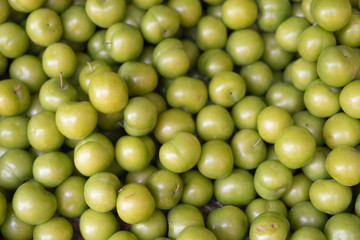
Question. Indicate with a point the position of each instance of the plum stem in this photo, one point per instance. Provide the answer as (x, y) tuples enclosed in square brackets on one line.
[(61, 81), (90, 67), (257, 143), (17, 88)]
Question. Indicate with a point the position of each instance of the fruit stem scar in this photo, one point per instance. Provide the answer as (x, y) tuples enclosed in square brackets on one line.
[(90, 67), (255, 144), (273, 225), (260, 228)]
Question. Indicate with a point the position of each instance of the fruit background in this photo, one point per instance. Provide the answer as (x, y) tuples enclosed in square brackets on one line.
[(180, 119)]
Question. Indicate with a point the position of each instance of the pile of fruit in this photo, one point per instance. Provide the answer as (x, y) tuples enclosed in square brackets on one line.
[(180, 119)]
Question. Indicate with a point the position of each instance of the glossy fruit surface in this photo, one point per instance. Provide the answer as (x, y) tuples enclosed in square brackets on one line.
[(33, 204), (135, 198)]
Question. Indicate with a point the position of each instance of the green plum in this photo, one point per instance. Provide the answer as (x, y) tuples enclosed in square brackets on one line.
[(135, 203), (44, 27), (105, 13), (54, 228), (100, 191), (181, 153), (70, 197), (97, 225), (33, 204), (52, 168), (14, 97)]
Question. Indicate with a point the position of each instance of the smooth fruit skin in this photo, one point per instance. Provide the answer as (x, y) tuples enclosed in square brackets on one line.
[(13, 132), (52, 168), (166, 187), (170, 58), (299, 190), (226, 88), (158, 23), (321, 100), (105, 13), (315, 169), (55, 228), (15, 168), (237, 188), (97, 225), (331, 15), (216, 159), (330, 196), (271, 121), (272, 14), (188, 93), (123, 235), (25, 6), (134, 153), (59, 57), (211, 33), (346, 225), (108, 92), (28, 69), (124, 42), (44, 27), (338, 65), (295, 146), (3, 207), (55, 92), (100, 191), (197, 189), (214, 122), (76, 120), (189, 11), (269, 226), (180, 153), (288, 32), (182, 216), (245, 112), (239, 14), (248, 148), (260, 205), (5, 11), (258, 77), (43, 133), (312, 41), (140, 78), (13, 40), (343, 165), (93, 154), (70, 197), (140, 116), (154, 227), (228, 222), (245, 46), (14, 97), (197, 232), (341, 129), (304, 214), (135, 203), (309, 233), (33, 204), (350, 99), (272, 179), (172, 121), (349, 34), (13, 227)]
